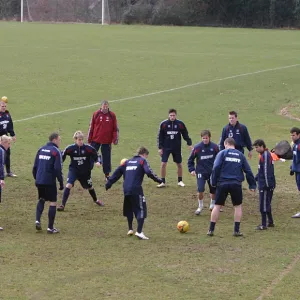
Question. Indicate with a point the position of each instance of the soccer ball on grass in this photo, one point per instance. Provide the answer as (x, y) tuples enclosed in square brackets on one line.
[(183, 226)]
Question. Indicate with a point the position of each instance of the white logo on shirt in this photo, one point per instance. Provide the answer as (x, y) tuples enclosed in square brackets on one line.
[(131, 168), (232, 159)]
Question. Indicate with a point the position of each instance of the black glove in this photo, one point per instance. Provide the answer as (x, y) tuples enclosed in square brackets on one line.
[(61, 186), (292, 173)]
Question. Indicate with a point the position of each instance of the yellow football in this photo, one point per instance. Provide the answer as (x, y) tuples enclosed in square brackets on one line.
[(4, 99), (123, 161), (183, 226)]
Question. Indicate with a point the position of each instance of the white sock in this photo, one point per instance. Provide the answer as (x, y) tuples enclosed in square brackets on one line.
[(212, 202), (200, 203)]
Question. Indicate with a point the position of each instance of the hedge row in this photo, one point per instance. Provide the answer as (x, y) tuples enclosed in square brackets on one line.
[(241, 13)]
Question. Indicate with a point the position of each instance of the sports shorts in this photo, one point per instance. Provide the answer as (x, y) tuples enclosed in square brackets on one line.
[(201, 184), (135, 204), (177, 157), (47, 192), (234, 190), (84, 179)]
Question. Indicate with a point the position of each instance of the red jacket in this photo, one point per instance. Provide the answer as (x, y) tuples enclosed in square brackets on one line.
[(103, 128)]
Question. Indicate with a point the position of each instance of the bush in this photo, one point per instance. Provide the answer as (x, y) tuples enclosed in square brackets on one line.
[(242, 13), (168, 14), (138, 13)]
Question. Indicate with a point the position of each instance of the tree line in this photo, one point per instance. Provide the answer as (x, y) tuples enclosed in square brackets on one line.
[(236, 13)]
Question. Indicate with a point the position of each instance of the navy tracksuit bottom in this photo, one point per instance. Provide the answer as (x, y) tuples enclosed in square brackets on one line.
[(106, 156)]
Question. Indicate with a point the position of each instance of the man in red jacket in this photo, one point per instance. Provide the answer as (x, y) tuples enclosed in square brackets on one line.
[(103, 132)]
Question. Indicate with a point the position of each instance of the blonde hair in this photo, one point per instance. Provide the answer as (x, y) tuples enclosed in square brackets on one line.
[(78, 135), (5, 138)]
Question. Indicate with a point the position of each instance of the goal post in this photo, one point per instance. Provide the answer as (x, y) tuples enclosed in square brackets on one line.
[(22, 10), (81, 11), (105, 13)]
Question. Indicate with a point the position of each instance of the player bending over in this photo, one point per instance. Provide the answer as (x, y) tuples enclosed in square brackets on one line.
[(133, 171), (82, 162)]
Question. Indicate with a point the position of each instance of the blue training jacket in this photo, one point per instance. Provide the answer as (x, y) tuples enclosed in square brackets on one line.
[(265, 176), (48, 165), (229, 168), (169, 135), (296, 157), (133, 171), (239, 133), (6, 124), (82, 158), (2, 162), (205, 156)]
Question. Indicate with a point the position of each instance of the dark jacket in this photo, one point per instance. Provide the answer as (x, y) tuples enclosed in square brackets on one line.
[(6, 124), (229, 168), (48, 165), (169, 135), (205, 156), (239, 133), (296, 157), (82, 158), (2, 162), (133, 171), (265, 176)]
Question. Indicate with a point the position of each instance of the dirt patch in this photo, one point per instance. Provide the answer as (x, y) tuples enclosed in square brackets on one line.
[(286, 112)]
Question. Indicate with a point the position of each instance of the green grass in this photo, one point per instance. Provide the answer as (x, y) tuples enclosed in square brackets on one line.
[(46, 68)]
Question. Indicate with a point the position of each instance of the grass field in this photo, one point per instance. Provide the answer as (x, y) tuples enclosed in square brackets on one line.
[(203, 72)]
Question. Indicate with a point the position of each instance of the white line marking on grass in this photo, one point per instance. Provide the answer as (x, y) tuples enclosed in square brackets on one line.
[(286, 271), (159, 92)]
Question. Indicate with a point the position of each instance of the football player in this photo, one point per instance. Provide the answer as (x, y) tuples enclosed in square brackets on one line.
[(133, 171), (82, 157)]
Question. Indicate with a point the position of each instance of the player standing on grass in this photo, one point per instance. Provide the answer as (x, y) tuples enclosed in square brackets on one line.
[(227, 176), (103, 132), (295, 167), (238, 132), (266, 184), (169, 142), (47, 168), (205, 153), (133, 171), (4, 146), (82, 162), (6, 127)]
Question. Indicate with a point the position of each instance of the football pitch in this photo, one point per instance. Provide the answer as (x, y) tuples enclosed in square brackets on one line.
[(55, 76)]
